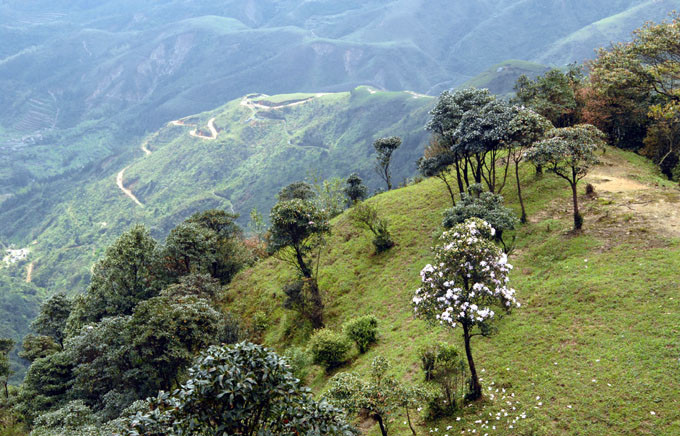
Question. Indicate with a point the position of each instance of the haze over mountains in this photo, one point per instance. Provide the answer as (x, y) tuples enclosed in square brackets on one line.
[(83, 84)]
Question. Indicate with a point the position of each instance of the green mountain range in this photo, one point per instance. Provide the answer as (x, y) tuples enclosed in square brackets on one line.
[(90, 90)]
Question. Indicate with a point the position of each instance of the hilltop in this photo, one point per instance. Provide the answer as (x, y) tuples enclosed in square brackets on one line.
[(594, 348)]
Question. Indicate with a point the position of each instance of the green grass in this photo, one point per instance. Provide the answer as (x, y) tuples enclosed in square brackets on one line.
[(605, 310)]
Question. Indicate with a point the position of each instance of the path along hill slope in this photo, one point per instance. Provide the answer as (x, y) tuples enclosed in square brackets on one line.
[(594, 349)]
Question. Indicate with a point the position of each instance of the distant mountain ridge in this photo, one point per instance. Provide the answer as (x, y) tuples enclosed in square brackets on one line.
[(130, 66)]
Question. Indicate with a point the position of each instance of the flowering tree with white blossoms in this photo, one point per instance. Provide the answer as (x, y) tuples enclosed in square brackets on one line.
[(469, 277)]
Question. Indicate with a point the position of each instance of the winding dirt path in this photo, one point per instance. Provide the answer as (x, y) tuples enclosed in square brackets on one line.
[(145, 149), (127, 192), (211, 127)]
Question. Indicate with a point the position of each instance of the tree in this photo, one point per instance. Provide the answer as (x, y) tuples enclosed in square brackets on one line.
[(526, 128), (629, 80), (553, 95), (190, 248), (486, 206), (481, 135), (47, 385), (355, 189), (166, 334), (193, 285), (569, 152), (662, 143), (243, 389), (51, 321), (446, 118), (297, 190), (380, 396), (127, 274), (6, 345), (298, 228), (297, 225), (37, 347), (228, 254), (365, 216), (436, 162), (468, 277), (384, 147)]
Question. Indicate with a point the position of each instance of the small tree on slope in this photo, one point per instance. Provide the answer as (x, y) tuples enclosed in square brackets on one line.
[(469, 276), (385, 147), (569, 152)]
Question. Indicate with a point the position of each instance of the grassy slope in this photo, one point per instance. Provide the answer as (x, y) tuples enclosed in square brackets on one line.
[(598, 330)]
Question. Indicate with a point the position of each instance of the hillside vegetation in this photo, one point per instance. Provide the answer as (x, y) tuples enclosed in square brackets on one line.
[(593, 349), (261, 143)]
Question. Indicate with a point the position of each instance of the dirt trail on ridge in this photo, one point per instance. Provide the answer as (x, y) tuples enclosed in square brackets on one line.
[(211, 127), (626, 199)]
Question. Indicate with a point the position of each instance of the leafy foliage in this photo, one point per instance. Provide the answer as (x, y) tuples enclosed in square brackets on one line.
[(242, 389), (554, 95), (355, 190), (385, 147), (363, 331), (379, 397), (486, 206), (444, 365), (298, 225), (329, 348), (51, 320), (128, 273), (296, 190), (569, 152)]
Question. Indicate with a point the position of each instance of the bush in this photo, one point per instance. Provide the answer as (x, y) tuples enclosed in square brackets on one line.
[(366, 217), (328, 348), (443, 364), (362, 330), (299, 360)]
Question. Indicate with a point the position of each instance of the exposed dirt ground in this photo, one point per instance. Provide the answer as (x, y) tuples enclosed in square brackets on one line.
[(626, 200)]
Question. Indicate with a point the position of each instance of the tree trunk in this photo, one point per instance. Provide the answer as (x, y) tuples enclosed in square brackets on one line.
[(446, 182), (578, 219), (304, 269), (475, 386), (523, 219), (408, 418), (459, 178), (6, 390), (383, 430)]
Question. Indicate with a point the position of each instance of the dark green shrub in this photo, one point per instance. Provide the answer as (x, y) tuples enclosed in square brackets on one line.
[(355, 190), (242, 389), (363, 331), (329, 349)]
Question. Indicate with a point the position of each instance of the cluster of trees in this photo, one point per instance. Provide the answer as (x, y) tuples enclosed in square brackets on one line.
[(148, 311), (480, 137), (631, 93)]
